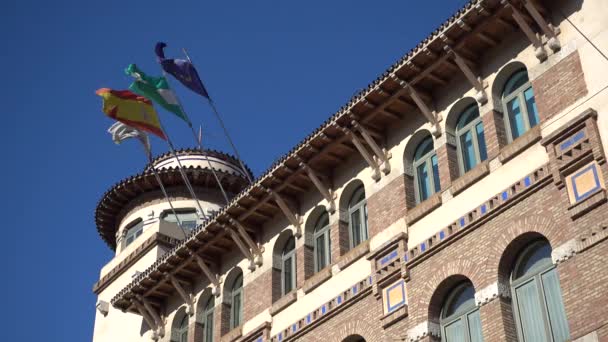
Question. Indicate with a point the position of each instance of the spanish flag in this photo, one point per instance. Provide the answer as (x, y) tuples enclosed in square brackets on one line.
[(131, 109)]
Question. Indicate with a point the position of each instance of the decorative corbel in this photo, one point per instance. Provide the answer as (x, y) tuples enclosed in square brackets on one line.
[(292, 217), (160, 327), (548, 29), (144, 313), (257, 251), (380, 154), (241, 245), (475, 81), (539, 50), (364, 153), (327, 193), (213, 278), (187, 298), (430, 115)]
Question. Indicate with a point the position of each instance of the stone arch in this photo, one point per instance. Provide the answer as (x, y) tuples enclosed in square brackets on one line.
[(357, 327), (441, 293), (346, 195), (501, 79), (277, 266), (226, 303), (309, 229), (197, 329), (455, 111), (179, 316), (408, 164), (516, 235)]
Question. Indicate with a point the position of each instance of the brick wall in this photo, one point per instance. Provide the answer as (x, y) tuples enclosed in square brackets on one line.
[(559, 86), (447, 161), (257, 295), (386, 206), (494, 133)]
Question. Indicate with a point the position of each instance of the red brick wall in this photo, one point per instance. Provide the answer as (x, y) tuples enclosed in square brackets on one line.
[(560, 86), (447, 161), (584, 280), (257, 295), (386, 206), (494, 132)]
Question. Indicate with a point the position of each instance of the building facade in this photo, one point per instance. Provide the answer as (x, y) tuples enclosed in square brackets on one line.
[(459, 197)]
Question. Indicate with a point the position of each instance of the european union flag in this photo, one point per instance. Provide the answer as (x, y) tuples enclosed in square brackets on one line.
[(182, 70)]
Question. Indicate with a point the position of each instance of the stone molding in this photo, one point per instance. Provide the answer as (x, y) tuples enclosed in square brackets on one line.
[(491, 292), (423, 208), (564, 252), (283, 302), (519, 145), (317, 279), (354, 254), (423, 330)]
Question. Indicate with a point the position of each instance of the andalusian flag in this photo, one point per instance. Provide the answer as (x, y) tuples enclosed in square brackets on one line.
[(157, 89), (131, 109)]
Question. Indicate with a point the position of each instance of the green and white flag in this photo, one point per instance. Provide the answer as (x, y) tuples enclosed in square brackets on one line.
[(157, 89)]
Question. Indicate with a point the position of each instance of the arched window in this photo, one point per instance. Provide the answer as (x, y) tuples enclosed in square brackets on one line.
[(519, 105), (181, 332), (288, 266), (426, 170), (236, 301), (357, 212), (208, 319), (470, 141), (187, 217), (134, 230), (460, 319), (322, 244), (537, 298)]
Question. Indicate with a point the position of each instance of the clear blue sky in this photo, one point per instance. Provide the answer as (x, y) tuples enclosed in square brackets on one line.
[(277, 70)]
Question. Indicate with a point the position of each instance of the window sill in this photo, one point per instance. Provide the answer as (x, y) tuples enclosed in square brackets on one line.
[(519, 145), (233, 334), (393, 317), (578, 209), (352, 255), (470, 177), (317, 279), (283, 302), (423, 208)]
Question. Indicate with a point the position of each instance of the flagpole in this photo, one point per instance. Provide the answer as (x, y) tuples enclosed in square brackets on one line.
[(181, 169), (219, 118), (164, 191), (200, 145)]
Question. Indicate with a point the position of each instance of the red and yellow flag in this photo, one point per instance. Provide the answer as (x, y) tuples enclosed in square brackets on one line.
[(131, 109)]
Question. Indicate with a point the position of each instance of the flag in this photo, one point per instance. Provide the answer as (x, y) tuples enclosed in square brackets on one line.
[(182, 70), (131, 109), (121, 132), (157, 89)]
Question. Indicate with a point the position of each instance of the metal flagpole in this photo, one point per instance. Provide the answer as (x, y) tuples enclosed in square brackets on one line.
[(162, 188), (181, 169), (200, 147), (219, 118)]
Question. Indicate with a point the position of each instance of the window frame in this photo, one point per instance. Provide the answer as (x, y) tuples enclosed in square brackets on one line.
[(319, 230), (208, 319), (427, 160), (535, 275), (360, 206), (234, 292), (460, 315), (130, 230), (179, 211), (519, 94), (182, 329), (472, 128), (291, 257)]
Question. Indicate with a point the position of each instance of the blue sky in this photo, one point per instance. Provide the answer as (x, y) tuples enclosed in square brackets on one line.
[(276, 69)]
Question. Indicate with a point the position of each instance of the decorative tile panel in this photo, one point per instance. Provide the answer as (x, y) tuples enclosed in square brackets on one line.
[(393, 296), (584, 182)]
